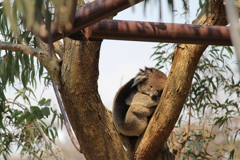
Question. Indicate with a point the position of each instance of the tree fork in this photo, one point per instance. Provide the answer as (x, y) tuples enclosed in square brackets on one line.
[(90, 120)]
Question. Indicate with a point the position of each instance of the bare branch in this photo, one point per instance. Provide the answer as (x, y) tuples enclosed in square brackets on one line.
[(20, 48)]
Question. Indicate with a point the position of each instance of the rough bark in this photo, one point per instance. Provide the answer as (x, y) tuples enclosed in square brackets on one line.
[(185, 61)]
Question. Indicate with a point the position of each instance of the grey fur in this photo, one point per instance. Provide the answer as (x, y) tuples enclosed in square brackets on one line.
[(136, 101)]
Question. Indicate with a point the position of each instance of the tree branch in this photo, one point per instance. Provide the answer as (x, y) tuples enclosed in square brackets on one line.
[(50, 61), (20, 48), (59, 49)]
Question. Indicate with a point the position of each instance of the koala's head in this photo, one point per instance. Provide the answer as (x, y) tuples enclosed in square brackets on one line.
[(150, 81)]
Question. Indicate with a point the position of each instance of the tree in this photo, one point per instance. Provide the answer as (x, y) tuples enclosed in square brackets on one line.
[(73, 65)]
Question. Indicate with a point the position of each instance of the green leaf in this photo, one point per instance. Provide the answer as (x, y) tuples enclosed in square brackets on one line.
[(42, 102), (45, 111), (1, 123), (22, 117), (36, 112), (16, 113), (48, 102), (25, 78), (29, 118), (52, 134), (54, 117)]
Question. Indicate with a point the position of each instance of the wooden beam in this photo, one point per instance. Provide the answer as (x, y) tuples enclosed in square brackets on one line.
[(86, 19), (159, 32)]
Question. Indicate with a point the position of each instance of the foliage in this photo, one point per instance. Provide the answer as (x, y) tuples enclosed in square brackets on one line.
[(27, 125), (17, 66), (213, 104)]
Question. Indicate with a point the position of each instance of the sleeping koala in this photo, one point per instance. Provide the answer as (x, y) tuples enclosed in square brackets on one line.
[(136, 101)]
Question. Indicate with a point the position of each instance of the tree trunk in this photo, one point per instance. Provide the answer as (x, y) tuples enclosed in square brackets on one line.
[(90, 120)]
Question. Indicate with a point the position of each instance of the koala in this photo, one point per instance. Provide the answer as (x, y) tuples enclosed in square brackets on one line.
[(135, 102)]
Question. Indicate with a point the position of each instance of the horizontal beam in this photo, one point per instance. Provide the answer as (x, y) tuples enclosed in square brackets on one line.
[(159, 32), (87, 15)]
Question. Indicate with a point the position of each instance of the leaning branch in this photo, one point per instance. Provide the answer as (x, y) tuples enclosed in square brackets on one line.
[(177, 87)]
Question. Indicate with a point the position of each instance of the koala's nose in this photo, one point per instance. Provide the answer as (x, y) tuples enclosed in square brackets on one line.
[(155, 94)]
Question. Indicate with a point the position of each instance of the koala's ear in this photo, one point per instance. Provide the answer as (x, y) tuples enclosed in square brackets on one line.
[(138, 79), (148, 69)]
